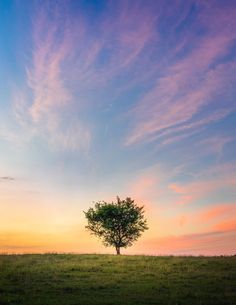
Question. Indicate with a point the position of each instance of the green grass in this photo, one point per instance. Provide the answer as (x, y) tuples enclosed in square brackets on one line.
[(66, 279)]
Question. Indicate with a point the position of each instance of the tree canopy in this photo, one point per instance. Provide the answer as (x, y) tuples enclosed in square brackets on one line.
[(118, 224)]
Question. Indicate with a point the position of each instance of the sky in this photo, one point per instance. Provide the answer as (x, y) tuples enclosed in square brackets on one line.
[(100, 98)]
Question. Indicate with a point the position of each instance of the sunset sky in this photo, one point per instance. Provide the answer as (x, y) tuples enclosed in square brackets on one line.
[(100, 98)]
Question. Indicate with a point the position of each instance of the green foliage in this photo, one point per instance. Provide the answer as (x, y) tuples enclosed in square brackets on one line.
[(67, 279), (117, 224)]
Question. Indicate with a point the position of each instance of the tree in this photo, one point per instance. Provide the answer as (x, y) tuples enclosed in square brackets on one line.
[(118, 224)]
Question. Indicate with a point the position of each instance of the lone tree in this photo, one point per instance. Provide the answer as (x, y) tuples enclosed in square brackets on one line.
[(118, 224)]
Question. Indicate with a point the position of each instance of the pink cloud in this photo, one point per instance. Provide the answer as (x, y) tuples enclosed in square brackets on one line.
[(177, 188), (191, 192), (143, 189), (70, 53), (41, 106), (126, 34), (213, 145), (188, 85), (217, 217), (162, 108), (207, 243), (45, 77), (215, 212), (66, 66), (228, 225), (177, 133), (184, 198)]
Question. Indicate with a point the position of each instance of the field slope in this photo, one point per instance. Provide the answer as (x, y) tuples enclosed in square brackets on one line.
[(66, 279)]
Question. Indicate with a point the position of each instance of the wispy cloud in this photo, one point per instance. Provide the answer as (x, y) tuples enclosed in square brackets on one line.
[(162, 108), (158, 185), (216, 212), (70, 58), (7, 178), (215, 144), (193, 191), (47, 98), (211, 217), (116, 48), (198, 80)]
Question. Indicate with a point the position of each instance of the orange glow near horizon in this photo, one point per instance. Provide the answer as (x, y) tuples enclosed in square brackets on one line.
[(63, 231)]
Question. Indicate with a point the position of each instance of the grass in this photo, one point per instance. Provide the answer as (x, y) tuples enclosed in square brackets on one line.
[(67, 279)]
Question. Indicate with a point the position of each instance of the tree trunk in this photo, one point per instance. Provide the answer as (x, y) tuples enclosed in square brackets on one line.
[(117, 250)]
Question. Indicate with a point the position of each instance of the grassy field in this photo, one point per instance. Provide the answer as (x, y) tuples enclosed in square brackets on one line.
[(66, 279)]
